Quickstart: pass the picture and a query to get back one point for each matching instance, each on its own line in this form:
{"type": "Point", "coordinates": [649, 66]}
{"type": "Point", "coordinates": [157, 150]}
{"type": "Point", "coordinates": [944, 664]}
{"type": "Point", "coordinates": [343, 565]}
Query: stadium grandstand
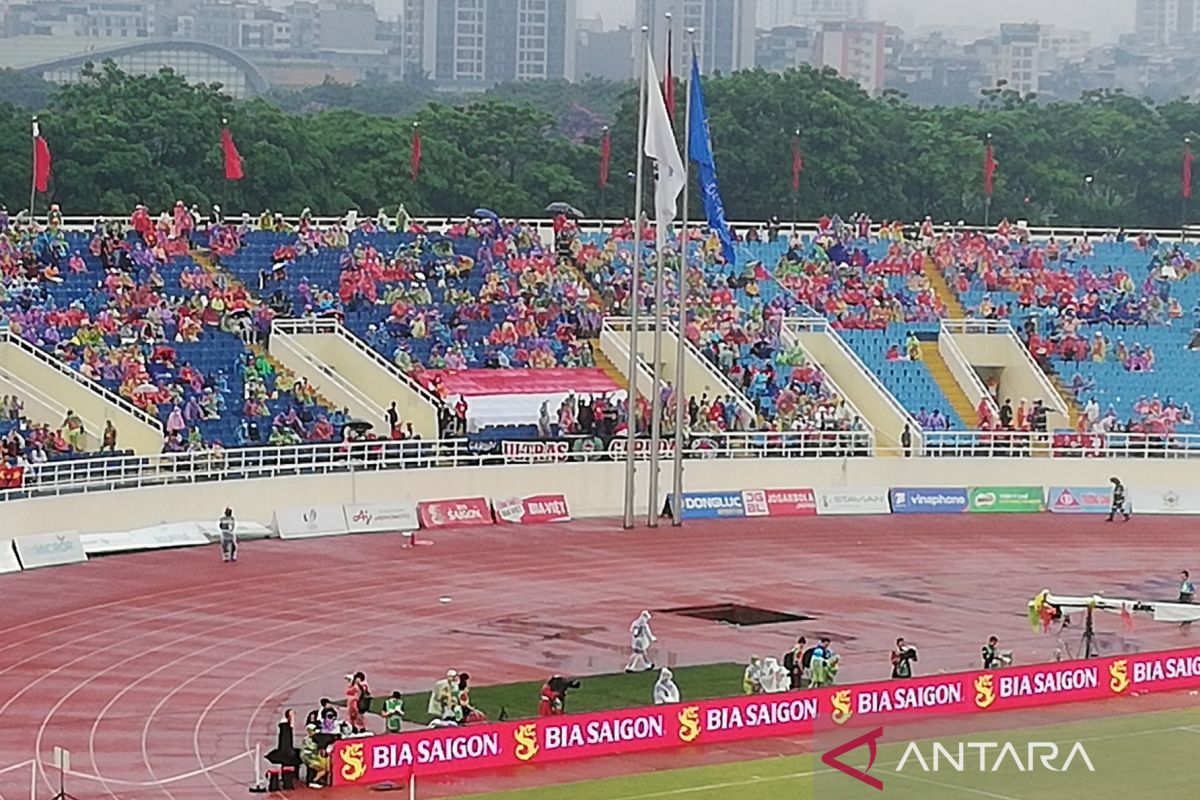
{"type": "Point", "coordinates": [467, 383]}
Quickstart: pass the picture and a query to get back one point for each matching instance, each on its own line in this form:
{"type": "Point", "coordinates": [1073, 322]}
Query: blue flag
{"type": "Point", "coordinates": [700, 151]}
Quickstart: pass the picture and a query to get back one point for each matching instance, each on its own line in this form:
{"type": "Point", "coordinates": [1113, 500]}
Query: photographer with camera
{"type": "Point", "coordinates": [553, 701]}
{"type": "Point", "coordinates": [902, 659]}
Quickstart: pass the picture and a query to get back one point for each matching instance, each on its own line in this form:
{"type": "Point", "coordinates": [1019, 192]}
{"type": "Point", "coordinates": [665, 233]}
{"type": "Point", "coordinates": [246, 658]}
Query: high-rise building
{"type": "Point", "coordinates": [1164, 21]}
{"type": "Point", "coordinates": [856, 50]}
{"type": "Point", "coordinates": [474, 41]}
{"type": "Point", "coordinates": [1018, 56]}
{"type": "Point", "coordinates": [784, 47]}
{"type": "Point", "coordinates": [778, 13]}
{"type": "Point", "coordinates": [724, 31]}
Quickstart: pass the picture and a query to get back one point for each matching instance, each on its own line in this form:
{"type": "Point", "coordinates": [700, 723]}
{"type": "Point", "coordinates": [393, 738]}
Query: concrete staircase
{"type": "Point", "coordinates": [1074, 412]}
{"type": "Point", "coordinates": [940, 370]}
{"type": "Point", "coordinates": [954, 308]}
{"type": "Point", "coordinates": [605, 363]}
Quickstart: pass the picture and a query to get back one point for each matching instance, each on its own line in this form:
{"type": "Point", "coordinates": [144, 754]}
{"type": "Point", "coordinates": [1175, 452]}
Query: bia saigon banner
{"type": "Point", "coordinates": [395, 757]}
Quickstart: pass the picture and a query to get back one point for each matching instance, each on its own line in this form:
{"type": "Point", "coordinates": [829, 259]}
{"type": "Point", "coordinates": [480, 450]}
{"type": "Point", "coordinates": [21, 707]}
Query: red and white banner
{"type": "Point", "coordinates": [362, 762]}
{"type": "Point", "coordinates": [780, 503]}
{"type": "Point", "coordinates": [455, 513]}
{"type": "Point", "coordinates": [532, 510]}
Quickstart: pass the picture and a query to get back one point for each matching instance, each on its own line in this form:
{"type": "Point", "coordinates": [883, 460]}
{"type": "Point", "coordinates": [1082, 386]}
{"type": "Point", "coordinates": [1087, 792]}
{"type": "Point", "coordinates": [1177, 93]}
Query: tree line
{"type": "Point", "coordinates": [120, 139]}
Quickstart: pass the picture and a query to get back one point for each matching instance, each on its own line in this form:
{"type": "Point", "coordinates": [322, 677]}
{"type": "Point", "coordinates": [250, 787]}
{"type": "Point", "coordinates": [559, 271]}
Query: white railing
{"type": "Point", "coordinates": [1058, 444]}
{"type": "Point", "coordinates": [99, 473]}
{"type": "Point", "coordinates": [625, 324]}
{"type": "Point", "coordinates": [820, 325]}
{"type": "Point", "coordinates": [332, 327]}
{"type": "Point", "coordinates": [84, 381]}
{"type": "Point", "coordinates": [545, 226]}
{"type": "Point", "coordinates": [1002, 327]}
{"type": "Point", "coordinates": [337, 384]}
{"type": "Point", "coordinates": [796, 325]}
{"type": "Point", "coordinates": [93, 430]}
{"type": "Point", "coordinates": [964, 373]}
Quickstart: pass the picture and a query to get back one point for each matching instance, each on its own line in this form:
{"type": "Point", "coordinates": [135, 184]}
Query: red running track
{"type": "Point", "coordinates": [154, 667]}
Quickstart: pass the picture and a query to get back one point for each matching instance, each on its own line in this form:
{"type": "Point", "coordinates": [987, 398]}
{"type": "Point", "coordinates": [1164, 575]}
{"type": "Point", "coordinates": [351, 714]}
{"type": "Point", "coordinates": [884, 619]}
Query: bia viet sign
{"type": "Point", "coordinates": [364, 761]}
{"type": "Point", "coordinates": [532, 510]}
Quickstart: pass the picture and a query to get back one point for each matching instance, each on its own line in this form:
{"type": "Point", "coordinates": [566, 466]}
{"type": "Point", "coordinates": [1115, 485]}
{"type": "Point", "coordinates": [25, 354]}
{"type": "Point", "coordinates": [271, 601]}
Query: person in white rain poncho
{"type": "Point", "coordinates": [665, 690]}
{"type": "Point", "coordinates": [640, 639]}
{"type": "Point", "coordinates": [773, 678]}
{"type": "Point", "coordinates": [443, 700]}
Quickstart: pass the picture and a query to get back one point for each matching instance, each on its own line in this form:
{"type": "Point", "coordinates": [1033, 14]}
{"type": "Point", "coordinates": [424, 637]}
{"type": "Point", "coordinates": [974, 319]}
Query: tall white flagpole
{"type": "Point", "coordinates": [681, 325]}
{"type": "Point", "coordinates": [660, 269]}
{"type": "Point", "coordinates": [634, 288]}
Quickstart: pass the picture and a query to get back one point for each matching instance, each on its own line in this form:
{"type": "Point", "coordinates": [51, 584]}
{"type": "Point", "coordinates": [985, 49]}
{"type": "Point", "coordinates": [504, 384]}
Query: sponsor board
{"type": "Point", "coordinates": [921, 500]}
{"type": "Point", "coordinates": [1079, 499]}
{"type": "Point", "coordinates": [532, 510]}
{"type": "Point", "coordinates": [520, 743]}
{"type": "Point", "coordinates": [155, 537]}
{"type": "Point", "coordinates": [50, 549]}
{"type": "Point", "coordinates": [1006, 499]}
{"type": "Point", "coordinates": [714, 505]}
{"type": "Point", "coordinates": [455, 513]}
{"type": "Point", "coordinates": [833, 502]}
{"type": "Point", "coordinates": [8, 557]}
{"type": "Point", "coordinates": [398, 515]}
{"type": "Point", "coordinates": [1165, 500]}
{"type": "Point", "coordinates": [783, 503]}
{"type": "Point", "coordinates": [304, 522]}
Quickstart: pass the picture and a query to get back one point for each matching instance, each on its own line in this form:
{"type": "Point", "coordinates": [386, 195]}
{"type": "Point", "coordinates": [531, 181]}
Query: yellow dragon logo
{"type": "Point", "coordinates": [1118, 675]}
{"type": "Point", "coordinates": [353, 764]}
{"type": "Point", "coordinates": [985, 691]}
{"type": "Point", "coordinates": [842, 706]}
{"type": "Point", "coordinates": [689, 724]}
{"type": "Point", "coordinates": [526, 738]}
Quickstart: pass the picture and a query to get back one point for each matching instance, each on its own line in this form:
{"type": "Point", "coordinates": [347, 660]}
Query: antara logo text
{"type": "Point", "coordinates": [963, 757]}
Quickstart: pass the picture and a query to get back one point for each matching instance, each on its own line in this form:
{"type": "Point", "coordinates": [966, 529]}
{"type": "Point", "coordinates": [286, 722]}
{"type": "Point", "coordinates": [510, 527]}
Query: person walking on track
{"type": "Point", "coordinates": [1119, 503]}
{"type": "Point", "coordinates": [229, 545]}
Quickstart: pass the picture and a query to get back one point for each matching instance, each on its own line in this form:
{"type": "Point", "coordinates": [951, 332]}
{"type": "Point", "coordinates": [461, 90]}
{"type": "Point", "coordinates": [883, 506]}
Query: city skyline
{"type": "Point", "coordinates": [1106, 19]}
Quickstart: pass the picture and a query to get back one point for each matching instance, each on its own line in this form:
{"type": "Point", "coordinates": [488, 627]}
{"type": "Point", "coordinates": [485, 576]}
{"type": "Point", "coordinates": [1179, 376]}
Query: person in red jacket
{"type": "Point", "coordinates": [551, 703]}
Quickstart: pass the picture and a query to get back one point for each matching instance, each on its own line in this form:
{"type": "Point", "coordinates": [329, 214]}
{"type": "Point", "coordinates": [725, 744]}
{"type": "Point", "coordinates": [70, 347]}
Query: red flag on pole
{"type": "Point", "coordinates": [414, 159]}
{"type": "Point", "coordinates": [233, 159]}
{"type": "Point", "coordinates": [669, 79]}
{"type": "Point", "coordinates": [605, 158]}
{"type": "Point", "coordinates": [1185, 180]}
{"type": "Point", "coordinates": [41, 160]}
{"type": "Point", "coordinates": [797, 164]}
{"type": "Point", "coordinates": [989, 169]}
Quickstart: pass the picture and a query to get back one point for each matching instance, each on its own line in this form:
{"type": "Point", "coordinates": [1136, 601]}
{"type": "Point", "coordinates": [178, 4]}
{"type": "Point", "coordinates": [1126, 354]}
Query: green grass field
{"type": "Point", "coordinates": [1136, 757]}
{"type": "Point", "coordinates": [598, 692]}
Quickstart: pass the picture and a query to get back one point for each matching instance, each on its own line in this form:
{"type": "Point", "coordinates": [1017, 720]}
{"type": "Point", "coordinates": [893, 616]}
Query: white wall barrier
{"type": "Point", "coordinates": [155, 537]}
{"type": "Point", "coordinates": [50, 549]}
{"type": "Point", "coordinates": [305, 522]}
{"type": "Point", "coordinates": [1165, 500]}
{"type": "Point", "coordinates": [399, 515]}
{"type": "Point", "coordinates": [867, 500]}
{"type": "Point", "coordinates": [8, 557]}
{"type": "Point", "coordinates": [242, 528]}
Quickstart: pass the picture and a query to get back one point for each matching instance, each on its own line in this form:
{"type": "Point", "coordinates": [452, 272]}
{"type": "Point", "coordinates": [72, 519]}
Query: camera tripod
{"type": "Point", "coordinates": [1087, 640]}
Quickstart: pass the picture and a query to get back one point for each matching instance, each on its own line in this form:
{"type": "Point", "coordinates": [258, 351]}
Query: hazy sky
{"type": "Point", "coordinates": [1105, 18]}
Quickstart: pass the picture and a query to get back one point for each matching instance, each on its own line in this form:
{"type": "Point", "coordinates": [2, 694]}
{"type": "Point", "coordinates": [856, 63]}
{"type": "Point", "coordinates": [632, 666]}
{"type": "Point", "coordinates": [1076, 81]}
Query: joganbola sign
{"type": "Point", "coordinates": [364, 761]}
